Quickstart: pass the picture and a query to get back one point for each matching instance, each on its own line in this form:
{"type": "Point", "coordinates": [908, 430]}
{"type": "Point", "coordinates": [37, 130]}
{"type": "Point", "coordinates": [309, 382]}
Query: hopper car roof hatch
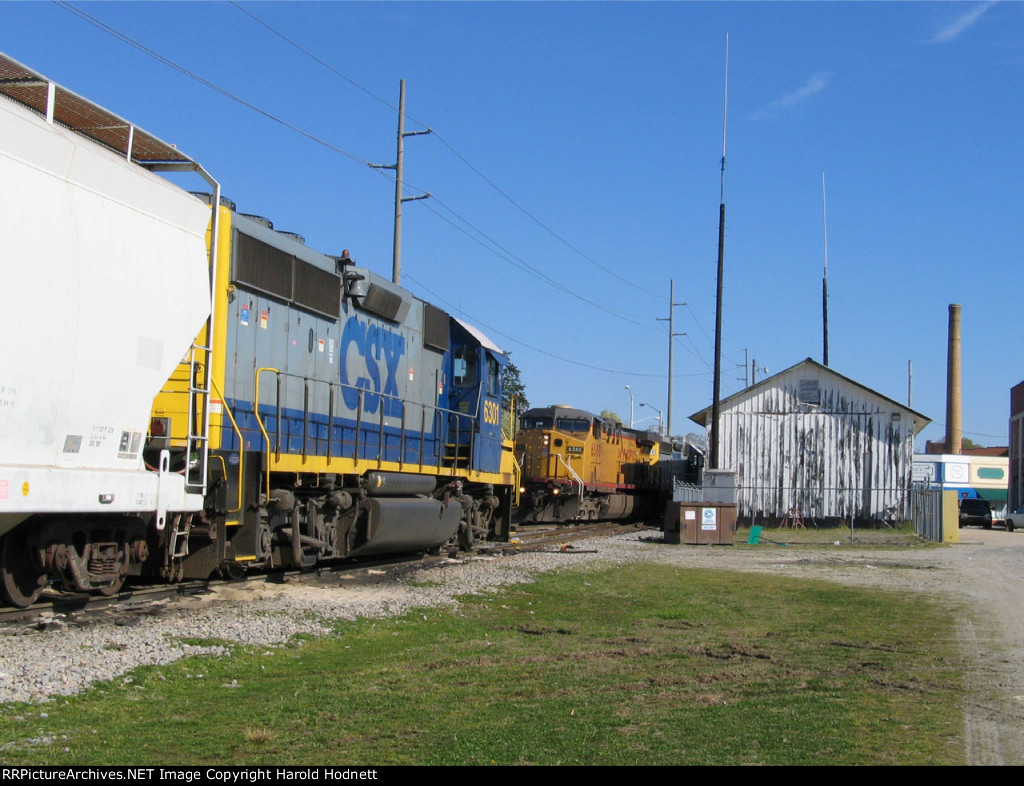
{"type": "Point", "coordinates": [60, 105]}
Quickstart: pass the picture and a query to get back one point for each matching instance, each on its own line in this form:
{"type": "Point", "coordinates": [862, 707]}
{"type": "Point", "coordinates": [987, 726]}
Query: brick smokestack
{"type": "Point", "coordinates": [954, 425]}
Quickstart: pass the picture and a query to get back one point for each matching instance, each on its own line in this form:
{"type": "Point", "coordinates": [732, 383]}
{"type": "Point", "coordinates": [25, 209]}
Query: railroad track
{"type": "Point", "coordinates": [75, 606]}
{"type": "Point", "coordinates": [542, 537]}
{"type": "Point", "coordinates": [60, 608]}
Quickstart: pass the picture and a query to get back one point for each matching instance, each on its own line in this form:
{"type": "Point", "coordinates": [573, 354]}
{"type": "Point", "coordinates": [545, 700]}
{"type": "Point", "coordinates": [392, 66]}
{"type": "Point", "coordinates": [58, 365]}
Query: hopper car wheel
{"type": "Point", "coordinates": [20, 584]}
{"type": "Point", "coordinates": [232, 571]}
{"type": "Point", "coordinates": [111, 589]}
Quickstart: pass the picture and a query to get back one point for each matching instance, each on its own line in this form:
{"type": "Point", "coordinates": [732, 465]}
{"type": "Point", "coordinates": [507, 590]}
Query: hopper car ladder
{"type": "Point", "coordinates": [198, 439]}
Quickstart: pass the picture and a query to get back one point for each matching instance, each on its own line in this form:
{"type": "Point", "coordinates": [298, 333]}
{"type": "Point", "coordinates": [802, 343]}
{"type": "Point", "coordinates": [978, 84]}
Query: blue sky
{"type": "Point", "coordinates": [575, 170]}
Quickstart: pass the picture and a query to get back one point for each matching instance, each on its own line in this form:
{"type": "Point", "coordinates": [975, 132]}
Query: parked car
{"type": "Point", "coordinates": [1015, 519]}
{"type": "Point", "coordinates": [975, 512]}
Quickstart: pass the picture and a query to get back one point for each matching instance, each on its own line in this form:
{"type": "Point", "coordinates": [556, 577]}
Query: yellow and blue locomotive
{"type": "Point", "coordinates": [347, 416]}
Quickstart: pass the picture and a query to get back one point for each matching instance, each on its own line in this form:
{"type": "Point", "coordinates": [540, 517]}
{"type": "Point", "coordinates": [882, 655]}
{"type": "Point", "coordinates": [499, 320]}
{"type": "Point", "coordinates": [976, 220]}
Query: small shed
{"type": "Point", "coordinates": [812, 442]}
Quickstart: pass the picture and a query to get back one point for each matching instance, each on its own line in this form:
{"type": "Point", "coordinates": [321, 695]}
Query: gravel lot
{"type": "Point", "coordinates": [980, 578]}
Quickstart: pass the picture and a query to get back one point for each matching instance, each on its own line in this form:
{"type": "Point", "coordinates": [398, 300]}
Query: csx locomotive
{"type": "Point", "coordinates": [184, 389]}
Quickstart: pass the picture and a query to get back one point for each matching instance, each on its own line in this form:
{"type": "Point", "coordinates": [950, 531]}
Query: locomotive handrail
{"type": "Point", "coordinates": [241, 442]}
{"type": "Point", "coordinates": [517, 476]}
{"type": "Point", "coordinates": [259, 420]}
{"type": "Point", "coordinates": [447, 423]}
{"type": "Point", "coordinates": [569, 470]}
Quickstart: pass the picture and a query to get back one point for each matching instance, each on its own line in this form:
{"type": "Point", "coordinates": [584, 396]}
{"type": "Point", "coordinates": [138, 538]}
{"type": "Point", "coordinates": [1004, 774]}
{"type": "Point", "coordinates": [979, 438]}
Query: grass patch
{"type": "Point", "coordinates": [637, 665]}
{"type": "Point", "coordinates": [897, 537]}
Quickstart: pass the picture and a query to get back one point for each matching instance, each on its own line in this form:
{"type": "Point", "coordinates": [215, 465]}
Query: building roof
{"type": "Point", "coordinates": [701, 417]}
{"type": "Point", "coordinates": [939, 446]}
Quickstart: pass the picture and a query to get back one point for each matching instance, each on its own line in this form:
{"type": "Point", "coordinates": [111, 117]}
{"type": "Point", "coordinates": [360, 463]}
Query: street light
{"type": "Point", "coordinates": [630, 406]}
{"type": "Point", "coordinates": [660, 421]}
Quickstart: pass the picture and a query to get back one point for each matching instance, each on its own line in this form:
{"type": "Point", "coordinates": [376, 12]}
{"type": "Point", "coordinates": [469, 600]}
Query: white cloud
{"type": "Point", "coordinates": [809, 88]}
{"type": "Point", "coordinates": [961, 23]}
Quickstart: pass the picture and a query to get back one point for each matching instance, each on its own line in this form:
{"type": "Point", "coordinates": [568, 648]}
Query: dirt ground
{"type": "Point", "coordinates": [982, 579]}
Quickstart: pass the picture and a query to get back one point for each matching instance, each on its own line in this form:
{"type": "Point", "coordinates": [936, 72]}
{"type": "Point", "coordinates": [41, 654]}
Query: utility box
{"type": "Point", "coordinates": [720, 486]}
{"type": "Point", "coordinates": [700, 523]}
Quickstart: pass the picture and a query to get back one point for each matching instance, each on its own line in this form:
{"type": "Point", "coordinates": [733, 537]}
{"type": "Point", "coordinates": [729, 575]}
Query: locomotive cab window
{"type": "Point", "coordinates": [465, 367]}
{"type": "Point", "coordinates": [537, 423]}
{"type": "Point", "coordinates": [573, 424]}
{"type": "Point", "coordinates": [493, 377]}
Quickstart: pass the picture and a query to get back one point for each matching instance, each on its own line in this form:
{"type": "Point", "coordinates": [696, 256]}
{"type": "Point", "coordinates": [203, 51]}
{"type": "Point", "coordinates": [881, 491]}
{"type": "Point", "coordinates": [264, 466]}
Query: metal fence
{"type": "Point", "coordinates": [926, 512]}
{"type": "Point", "coordinates": [822, 506]}
{"type": "Point", "coordinates": [918, 505]}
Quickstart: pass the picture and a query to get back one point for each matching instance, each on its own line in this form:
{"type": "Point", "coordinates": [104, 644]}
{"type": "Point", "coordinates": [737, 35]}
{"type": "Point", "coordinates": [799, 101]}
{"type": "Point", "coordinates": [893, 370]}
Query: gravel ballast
{"type": "Point", "coordinates": [979, 580]}
{"type": "Point", "coordinates": [59, 657]}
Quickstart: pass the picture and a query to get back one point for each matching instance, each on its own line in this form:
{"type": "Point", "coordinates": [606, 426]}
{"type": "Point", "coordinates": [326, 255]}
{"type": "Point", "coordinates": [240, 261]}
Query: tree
{"type": "Point", "coordinates": [607, 414]}
{"type": "Point", "coordinates": [512, 389]}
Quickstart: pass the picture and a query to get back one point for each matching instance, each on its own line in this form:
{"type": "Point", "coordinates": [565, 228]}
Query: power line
{"type": "Point", "coordinates": [522, 264]}
{"type": "Point", "coordinates": [454, 152]}
{"type": "Point", "coordinates": [496, 331]}
{"type": "Point", "coordinates": [495, 247]}
{"type": "Point", "coordinates": [972, 433]}
{"type": "Point", "coordinates": [206, 82]}
{"type": "Point", "coordinates": [507, 255]}
{"type": "Point", "coordinates": [324, 63]}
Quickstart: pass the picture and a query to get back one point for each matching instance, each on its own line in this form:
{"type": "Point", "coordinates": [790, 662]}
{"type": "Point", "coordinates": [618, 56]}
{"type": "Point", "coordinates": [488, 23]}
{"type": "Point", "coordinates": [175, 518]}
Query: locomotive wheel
{"type": "Point", "coordinates": [465, 537]}
{"type": "Point", "coordinates": [20, 584]}
{"type": "Point", "coordinates": [471, 535]}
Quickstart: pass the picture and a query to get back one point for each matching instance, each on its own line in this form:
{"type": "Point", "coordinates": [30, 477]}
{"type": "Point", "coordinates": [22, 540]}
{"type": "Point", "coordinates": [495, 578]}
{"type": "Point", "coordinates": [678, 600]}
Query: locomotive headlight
{"type": "Point", "coordinates": [159, 427]}
{"type": "Point", "coordinates": [554, 491]}
{"type": "Point", "coordinates": [547, 439]}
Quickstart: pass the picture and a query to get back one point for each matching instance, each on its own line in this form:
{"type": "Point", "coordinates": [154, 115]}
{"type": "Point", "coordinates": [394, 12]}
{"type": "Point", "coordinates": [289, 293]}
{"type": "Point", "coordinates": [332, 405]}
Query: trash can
{"type": "Point", "coordinates": [700, 523]}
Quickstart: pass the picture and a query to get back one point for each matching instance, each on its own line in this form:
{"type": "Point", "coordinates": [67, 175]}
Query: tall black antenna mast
{"type": "Point", "coordinates": [824, 280]}
{"type": "Point", "coordinates": [716, 399]}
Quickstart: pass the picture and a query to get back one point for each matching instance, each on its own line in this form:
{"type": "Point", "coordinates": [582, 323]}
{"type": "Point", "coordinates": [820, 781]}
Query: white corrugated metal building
{"type": "Point", "coordinates": [810, 440]}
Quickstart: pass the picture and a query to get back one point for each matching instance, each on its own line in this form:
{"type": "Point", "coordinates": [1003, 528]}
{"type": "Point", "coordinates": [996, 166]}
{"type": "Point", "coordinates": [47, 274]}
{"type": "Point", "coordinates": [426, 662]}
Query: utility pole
{"type": "Point", "coordinates": [671, 314]}
{"type": "Point", "coordinates": [716, 407]}
{"type": "Point", "coordinates": [753, 371]}
{"type": "Point", "coordinates": [396, 255]}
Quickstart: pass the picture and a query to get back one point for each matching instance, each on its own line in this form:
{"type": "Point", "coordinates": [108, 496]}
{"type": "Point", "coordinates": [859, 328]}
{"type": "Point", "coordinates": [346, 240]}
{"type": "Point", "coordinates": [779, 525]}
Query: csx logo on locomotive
{"type": "Point", "coordinates": [372, 343]}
